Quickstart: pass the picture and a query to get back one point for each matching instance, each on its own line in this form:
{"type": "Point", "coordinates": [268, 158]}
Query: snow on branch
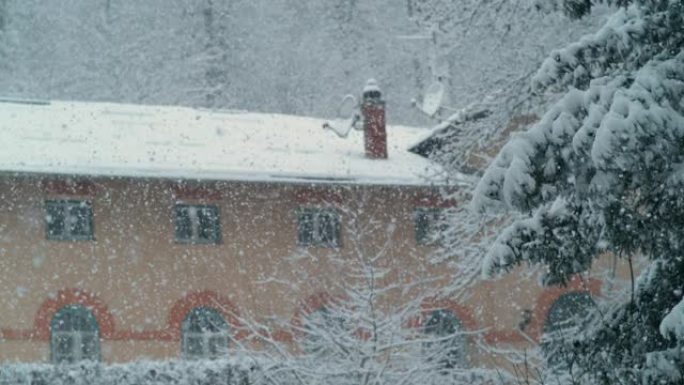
{"type": "Point", "coordinates": [371, 326]}
{"type": "Point", "coordinates": [601, 129]}
{"type": "Point", "coordinates": [591, 144]}
{"type": "Point", "coordinates": [630, 38]}
{"type": "Point", "coordinates": [673, 323]}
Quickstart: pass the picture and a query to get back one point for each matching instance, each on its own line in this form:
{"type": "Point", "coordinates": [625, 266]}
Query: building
{"type": "Point", "coordinates": [132, 232]}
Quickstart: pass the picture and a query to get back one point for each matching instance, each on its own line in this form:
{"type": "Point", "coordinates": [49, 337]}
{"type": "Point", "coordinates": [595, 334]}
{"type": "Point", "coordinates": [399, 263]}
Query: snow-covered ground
{"type": "Point", "coordinates": [207, 372]}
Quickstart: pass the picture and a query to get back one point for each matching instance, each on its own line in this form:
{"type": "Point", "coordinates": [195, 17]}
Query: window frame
{"type": "Point", "coordinates": [457, 343]}
{"type": "Point", "coordinates": [319, 324]}
{"type": "Point", "coordinates": [195, 224]}
{"type": "Point", "coordinates": [75, 337]}
{"type": "Point", "coordinates": [67, 205]}
{"type": "Point", "coordinates": [316, 238]}
{"type": "Point", "coordinates": [428, 224]}
{"type": "Point", "coordinates": [206, 339]}
{"type": "Point", "coordinates": [578, 305]}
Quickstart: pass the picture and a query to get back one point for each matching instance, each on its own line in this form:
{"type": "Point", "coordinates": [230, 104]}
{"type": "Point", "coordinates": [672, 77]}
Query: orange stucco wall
{"type": "Point", "coordinates": [140, 283]}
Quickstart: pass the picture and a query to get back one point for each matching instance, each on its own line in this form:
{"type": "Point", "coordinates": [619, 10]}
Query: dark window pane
{"type": "Point", "coordinates": [201, 320]}
{"type": "Point", "coordinates": [193, 323]}
{"type": "Point", "coordinates": [183, 223]}
{"type": "Point", "coordinates": [208, 224]}
{"type": "Point", "coordinates": [78, 319]}
{"type": "Point", "coordinates": [422, 227]}
{"type": "Point", "coordinates": [450, 352]}
{"type": "Point", "coordinates": [80, 218]}
{"type": "Point", "coordinates": [428, 223]}
{"type": "Point", "coordinates": [69, 220]}
{"type": "Point", "coordinates": [55, 219]}
{"type": "Point", "coordinates": [328, 229]}
{"type": "Point", "coordinates": [73, 319]}
{"type": "Point", "coordinates": [305, 228]}
{"type": "Point", "coordinates": [565, 320]}
{"type": "Point", "coordinates": [63, 347]}
{"type": "Point", "coordinates": [204, 333]}
{"type": "Point", "coordinates": [194, 346]}
{"type": "Point", "coordinates": [197, 224]}
{"type": "Point", "coordinates": [319, 326]}
{"type": "Point", "coordinates": [214, 323]}
{"type": "Point", "coordinates": [217, 345]}
{"type": "Point", "coordinates": [61, 324]}
{"type": "Point", "coordinates": [318, 227]}
{"type": "Point", "coordinates": [568, 311]}
{"type": "Point", "coordinates": [89, 347]}
{"type": "Point", "coordinates": [74, 335]}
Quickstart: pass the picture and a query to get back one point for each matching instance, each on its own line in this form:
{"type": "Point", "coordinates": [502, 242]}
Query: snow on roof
{"type": "Point", "coordinates": [119, 140]}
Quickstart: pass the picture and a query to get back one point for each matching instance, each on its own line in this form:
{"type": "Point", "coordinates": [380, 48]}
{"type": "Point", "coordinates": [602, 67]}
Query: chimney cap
{"type": "Point", "coordinates": [371, 90]}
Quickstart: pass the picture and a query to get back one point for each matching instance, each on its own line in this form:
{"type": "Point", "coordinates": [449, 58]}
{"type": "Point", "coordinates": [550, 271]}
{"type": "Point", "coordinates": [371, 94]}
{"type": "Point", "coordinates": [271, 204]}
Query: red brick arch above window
{"type": "Point", "coordinates": [66, 297]}
{"type": "Point", "coordinates": [463, 313]}
{"type": "Point", "coordinates": [545, 300]}
{"type": "Point", "coordinates": [208, 299]}
{"type": "Point", "coordinates": [309, 305]}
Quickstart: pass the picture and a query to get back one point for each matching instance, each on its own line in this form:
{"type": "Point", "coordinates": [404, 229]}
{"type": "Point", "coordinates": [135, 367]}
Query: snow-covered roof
{"type": "Point", "coordinates": [120, 140]}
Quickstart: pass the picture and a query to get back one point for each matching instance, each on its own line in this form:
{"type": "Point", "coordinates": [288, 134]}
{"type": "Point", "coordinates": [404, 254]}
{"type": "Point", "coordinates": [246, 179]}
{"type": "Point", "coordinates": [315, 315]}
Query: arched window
{"type": "Point", "coordinates": [204, 334]}
{"type": "Point", "coordinates": [74, 335]}
{"type": "Point", "coordinates": [445, 340]}
{"type": "Point", "coordinates": [321, 328]}
{"type": "Point", "coordinates": [566, 318]}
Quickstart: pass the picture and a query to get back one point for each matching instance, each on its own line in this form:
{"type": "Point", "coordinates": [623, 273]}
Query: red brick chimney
{"type": "Point", "coordinates": [373, 112]}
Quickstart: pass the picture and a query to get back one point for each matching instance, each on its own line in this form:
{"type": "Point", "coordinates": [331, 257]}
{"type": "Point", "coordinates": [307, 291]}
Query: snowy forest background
{"type": "Point", "coordinates": [287, 56]}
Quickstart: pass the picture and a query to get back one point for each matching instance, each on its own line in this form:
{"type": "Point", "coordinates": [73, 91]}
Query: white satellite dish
{"type": "Point", "coordinates": [347, 117]}
{"type": "Point", "coordinates": [433, 99]}
{"type": "Point", "coordinates": [347, 107]}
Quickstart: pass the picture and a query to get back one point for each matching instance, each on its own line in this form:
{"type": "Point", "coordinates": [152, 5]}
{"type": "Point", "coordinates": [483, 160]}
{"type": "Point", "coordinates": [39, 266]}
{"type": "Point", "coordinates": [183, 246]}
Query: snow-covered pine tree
{"type": "Point", "coordinates": [377, 324]}
{"type": "Point", "coordinates": [493, 49]}
{"type": "Point", "coordinates": [602, 172]}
